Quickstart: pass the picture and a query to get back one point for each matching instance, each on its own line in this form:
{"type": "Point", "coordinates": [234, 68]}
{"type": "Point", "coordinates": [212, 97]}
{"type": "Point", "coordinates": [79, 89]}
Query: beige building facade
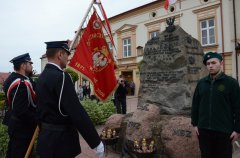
{"type": "Point", "coordinates": [215, 23]}
{"type": "Point", "coordinates": [209, 21]}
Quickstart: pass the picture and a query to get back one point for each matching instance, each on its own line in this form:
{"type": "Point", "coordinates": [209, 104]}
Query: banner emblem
{"type": "Point", "coordinates": [96, 24]}
{"type": "Point", "coordinates": [99, 61]}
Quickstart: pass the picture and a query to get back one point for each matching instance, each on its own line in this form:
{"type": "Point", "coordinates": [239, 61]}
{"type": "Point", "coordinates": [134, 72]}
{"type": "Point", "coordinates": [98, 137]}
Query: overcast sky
{"type": "Point", "coordinates": [26, 24]}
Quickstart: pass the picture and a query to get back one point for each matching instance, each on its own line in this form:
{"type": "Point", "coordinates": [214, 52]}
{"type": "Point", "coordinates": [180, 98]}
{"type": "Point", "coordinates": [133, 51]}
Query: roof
{"type": "Point", "coordinates": [43, 56]}
{"type": "Point", "coordinates": [156, 3]}
{"type": "Point", "coordinates": [4, 76]}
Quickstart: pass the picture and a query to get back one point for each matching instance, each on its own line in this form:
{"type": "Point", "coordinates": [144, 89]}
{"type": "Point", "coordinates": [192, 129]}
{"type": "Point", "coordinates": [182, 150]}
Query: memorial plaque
{"type": "Point", "coordinates": [172, 64]}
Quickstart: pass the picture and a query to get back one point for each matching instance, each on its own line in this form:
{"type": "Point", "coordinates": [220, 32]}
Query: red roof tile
{"type": "Point", "coordinates": [4, 76]}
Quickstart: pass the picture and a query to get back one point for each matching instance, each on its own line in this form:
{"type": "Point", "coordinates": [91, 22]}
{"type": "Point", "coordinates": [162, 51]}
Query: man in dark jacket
{"type": "Point", "coordinates": [61, 114]}
{"type": "Point", "coordinates": [216, 110]}
{"type": "Point", "coordinates": [21, 117]}
{"type": "Point", "coordinates": [120, 96]}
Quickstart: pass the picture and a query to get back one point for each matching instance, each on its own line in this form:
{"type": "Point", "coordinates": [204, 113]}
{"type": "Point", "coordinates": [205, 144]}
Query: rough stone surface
{"type": "Point", "coordinates": [179, 138]}
{"type": "Point", "coordinates": [114, 121]}
{"type": "Point", "coordinates": [141, 124]}
{"type": "Point", "coordinates": [171, 66]}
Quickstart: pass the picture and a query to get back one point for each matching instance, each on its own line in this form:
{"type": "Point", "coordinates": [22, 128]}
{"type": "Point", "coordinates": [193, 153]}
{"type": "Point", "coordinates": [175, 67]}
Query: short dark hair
{"type": "Point", "coordinates": [51, 52]}
{"type": "Point", "coordinates": [17, 66]}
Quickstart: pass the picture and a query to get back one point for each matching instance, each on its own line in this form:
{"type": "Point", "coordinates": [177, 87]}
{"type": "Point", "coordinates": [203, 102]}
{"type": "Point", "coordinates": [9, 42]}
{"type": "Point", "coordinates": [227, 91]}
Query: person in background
{"type": "Point", "coordinates": [61, 114]}
{"type": "Point", "coordinates": [21, 116]}
{"type": "Point", "coordinates": [84, 87]}
{"type": "Point", "coordinates": [80, 92]}
{"type": "Point", "coordinates": [132, 87]}
{"type": "Point", "coordinates": [120, 96]}
{"type": "Point", "coordinates": [216, 110]}
{"type": "Point", "coordinates": [88, 91]}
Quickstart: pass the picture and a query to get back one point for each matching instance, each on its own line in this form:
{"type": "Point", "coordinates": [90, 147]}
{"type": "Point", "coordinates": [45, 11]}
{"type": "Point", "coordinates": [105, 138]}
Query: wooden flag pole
{"type": "Point", "coordinates": [32, 142]}
{"type": "Point", "coordinates": [108, 30]}
{"type": "Point", "coordinates": [81, 25]}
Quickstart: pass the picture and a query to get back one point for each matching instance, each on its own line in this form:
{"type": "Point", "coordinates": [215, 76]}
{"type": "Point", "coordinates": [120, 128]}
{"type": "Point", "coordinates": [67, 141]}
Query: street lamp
{"type": "Point", "coordinates": [237, 49]}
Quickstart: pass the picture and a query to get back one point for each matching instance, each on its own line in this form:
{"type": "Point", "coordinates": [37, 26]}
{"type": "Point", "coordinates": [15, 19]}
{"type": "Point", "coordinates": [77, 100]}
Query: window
{"type": "Point", "coordinates": [154, 34]}
{"type": "Point", "coordinates": [208, 32]}
{"type": "Point", "coordinates": [110, 47]}
{"type": "Point", "coordinates": [204, 1]}
{"type": "Point", "coordinates": [139, 51]}
{"type": "Point", "coordinates": [127, 47]}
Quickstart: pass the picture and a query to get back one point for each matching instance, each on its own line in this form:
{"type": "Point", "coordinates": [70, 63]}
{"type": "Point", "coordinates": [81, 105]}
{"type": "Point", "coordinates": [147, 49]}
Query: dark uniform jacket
{"type": "Point", "coordinates": [216, 104]}
{"type": "Point", "coordinates": [121, 92]}
{"type": "Point", "coordinates": [58, 135]}
{"type": "Point", "coordinates": [21, 108]}
{"type": "Point", "coordinates": [21, 116]}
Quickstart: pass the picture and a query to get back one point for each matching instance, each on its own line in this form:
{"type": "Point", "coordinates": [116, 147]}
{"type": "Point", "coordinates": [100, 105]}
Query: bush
{"type": "Point", "coordinates": [1, 87]}
{"type": "Point", "coordinates": [98, 112]}
{"type": "Point", "coordinates": [3, 139]}
{"type": "Point", "coordinates": [73, 74]}
{"type": "Point", "coordinates": [2, 104]}
{"type": "Point", "coordinates": [2, 96]}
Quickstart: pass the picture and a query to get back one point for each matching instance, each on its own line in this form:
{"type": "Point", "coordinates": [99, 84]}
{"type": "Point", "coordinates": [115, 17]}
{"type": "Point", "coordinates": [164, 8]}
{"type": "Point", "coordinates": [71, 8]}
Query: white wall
{"type": "Point", "coordinates": [43, 63]}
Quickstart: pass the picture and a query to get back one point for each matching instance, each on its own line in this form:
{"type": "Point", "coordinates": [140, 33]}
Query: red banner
{"type": "Point", "coordinates": [93, 59]}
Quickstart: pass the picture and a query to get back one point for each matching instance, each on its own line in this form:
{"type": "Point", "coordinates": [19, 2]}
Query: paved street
{"type": "Point", "coordinates": [87, 152]}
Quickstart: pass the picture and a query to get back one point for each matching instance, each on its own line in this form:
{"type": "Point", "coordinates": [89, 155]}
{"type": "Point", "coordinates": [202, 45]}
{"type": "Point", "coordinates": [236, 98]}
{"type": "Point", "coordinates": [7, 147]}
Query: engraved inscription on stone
{"type": "Point", "coordinates": [171, 37]}
{"type": "Point", "coordinates": [135, 125]}
{"type": "Point", "coordinates": [161, 77]}
{"type": "Point", "coordinates": [143, 107]}
{"type": "Point", "coordinates": [191, 60]}
{"type": "Point", "coordinates": [192, 81]}
{"type": "Point", "coordinates": [181, 133]}
{"type": "Point", "coordinates": [164, 51]}
{"type": "Point", "coordinates": [193, 70]}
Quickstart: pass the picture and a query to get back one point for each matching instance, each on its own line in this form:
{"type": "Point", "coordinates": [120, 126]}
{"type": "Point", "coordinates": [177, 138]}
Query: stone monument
{"type": "Point", "coordinates": [171, 66]}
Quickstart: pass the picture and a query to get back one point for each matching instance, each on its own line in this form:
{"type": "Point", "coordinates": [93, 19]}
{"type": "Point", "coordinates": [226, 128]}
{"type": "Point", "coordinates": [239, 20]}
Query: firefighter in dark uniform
{"type": "Point", "coordinates": [61, 114]}
{"type": "Point", "coordinates": [21, 116]}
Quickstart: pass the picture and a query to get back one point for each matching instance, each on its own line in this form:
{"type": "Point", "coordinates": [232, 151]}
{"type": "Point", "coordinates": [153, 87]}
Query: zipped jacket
{"type": "Point", "coordinates": [216, 104]}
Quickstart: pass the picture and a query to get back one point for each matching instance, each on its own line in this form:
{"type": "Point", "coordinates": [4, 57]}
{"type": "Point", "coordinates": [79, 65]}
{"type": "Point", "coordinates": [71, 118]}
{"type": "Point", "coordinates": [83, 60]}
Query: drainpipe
{"type": "Point", "coordinates": [221, 10]}
{"type": "Point", "coordinates": [235, 36]}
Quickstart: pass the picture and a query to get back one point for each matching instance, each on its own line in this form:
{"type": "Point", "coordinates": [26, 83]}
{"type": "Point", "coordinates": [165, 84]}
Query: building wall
{"type": "Point", "coordinates": [137, 23]}
{"type": "Point", "coordinates": [188, 15]}
{"type": "Point", "coordinates": [43, 63]}
{"type": "Point", "coordinates": [228, 35]}
{"type": "Point", "coordinates": [237, 6]}
{"type": "Point", "coordinates": [237, 12]}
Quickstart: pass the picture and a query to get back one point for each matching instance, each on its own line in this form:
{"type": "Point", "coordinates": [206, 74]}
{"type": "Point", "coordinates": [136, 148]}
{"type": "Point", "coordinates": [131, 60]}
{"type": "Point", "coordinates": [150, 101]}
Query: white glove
{"type": "Point", "coordinates": [100, 150]}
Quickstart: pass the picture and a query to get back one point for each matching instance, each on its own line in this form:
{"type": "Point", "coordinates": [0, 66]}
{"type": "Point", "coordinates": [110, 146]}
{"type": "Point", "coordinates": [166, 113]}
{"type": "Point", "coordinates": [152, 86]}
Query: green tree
{"type": "Point", "coordinates": [73, 74]}
{"type": "Point", "coordinates": [3, 140]}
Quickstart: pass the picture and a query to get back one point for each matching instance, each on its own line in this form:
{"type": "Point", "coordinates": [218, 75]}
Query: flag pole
{"type": "Point", "coordinates": [81, 25]}
{"type": "Point", "coordinates": [108, 30]}
{"type": "Point", "coordinates": [32, 142]}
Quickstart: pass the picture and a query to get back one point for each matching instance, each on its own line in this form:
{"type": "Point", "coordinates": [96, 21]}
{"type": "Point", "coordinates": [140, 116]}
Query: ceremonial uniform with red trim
{"type": "Point", "coordinates": [61, 116]}
{"type": "Point", "coordinates": [22, 118]}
